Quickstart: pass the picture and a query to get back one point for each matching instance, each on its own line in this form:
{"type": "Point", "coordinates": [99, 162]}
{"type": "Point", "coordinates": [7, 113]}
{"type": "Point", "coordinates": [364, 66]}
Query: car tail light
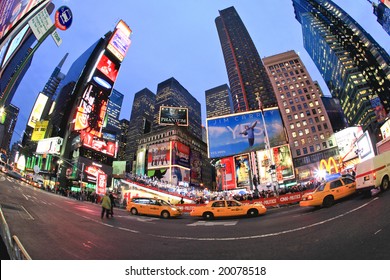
{"type": "Point", "coordinates": [374, 176]}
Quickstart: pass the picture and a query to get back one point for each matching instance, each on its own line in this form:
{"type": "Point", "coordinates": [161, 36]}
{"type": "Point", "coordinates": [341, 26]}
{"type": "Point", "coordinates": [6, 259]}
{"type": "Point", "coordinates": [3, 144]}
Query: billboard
{"type": "Point", "coordinates": [346, 142]}
{"type": "Point", "coordinates": [37, 110]}
{"type": "Point", "coordinates": [91, 110]}
{"type": "Point", "coordinates": [365, 148]}
{"type": "Point", "coordinates": [120, 41]}
{"type": "Point", "coordinates": [159, 155]}
{"type": "Point", "coordinates": [225, 174]}
{"type": "Point", "coordinates": [108, 68]}
{"type": "Point", "coordinates": [196, 168]}
{"type": "Point", "coordinates": [264, 162]}
{"type": "Point", "coordinates": [119, 169]}
{"type": "Point", "coordinates": [10, 48]}
{"type": "Point", "coordinates": [39, 130]}
{"type": "Point", "coordinates": [180, 176]}
{"type": "Point", "coordinates": [140, 163]}
{"type": "Point", "coordinates": [242, 168]}
{"type": "Point", "coordinates": [92, 169]}
{"type": "Point", "coordinates": [180, 154]}
{"type": "Point", "coordinates": [11, 11]}
{"type": "Point", "coordinates": [385, 129]}
{"type": "Point", "coordinates": [173, 116]}
{"type": "Point", "coordinates": [244, 132]}
{"type": "Point", "coordinates": [109, 148]}
{"type": "Point", "coordinates": [49, 146]}
{"type": "Point", "coordinates": [283, 162]}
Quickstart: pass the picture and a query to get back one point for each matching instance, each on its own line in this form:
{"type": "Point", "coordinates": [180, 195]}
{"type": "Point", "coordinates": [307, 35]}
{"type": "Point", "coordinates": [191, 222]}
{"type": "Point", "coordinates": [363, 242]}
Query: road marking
{"type": "Point", "coordinates": [210, 224]}
{"type": "Point", "coordinates": [127, 229]}
{"type": "Point", "coordinates": [32, 218]}
{"type": "Point", "coordinates": [377, 232]}
{"type": "Point", "coordinates": [25, 196]}
{"type": "Point", "coordinates": [267, 234]}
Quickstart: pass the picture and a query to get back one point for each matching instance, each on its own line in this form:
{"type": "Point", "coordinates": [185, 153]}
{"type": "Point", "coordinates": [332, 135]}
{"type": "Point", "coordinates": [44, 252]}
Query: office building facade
{"type": "Point", "coordinates": [171, 93]}
{"type": "Point", "coordinates": [219, 101]}
{"type": "Point", "coordinates": [354, 66]}
{"type": "Point", "coordinates": [305, 119]}
{"type": "Point", "coordinates": [249, 83]}
{"type": "Point", "coordinates": [141, 120]}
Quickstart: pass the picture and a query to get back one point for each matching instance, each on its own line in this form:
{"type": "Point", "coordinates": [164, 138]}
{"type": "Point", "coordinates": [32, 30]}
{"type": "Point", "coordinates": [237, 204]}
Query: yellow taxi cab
{"type": "Point", "coordinates": [153, 207]}
{"type": "Point", "coordinates": [227, 208]}
{"type": "Point", "coordinates": [328, 192]}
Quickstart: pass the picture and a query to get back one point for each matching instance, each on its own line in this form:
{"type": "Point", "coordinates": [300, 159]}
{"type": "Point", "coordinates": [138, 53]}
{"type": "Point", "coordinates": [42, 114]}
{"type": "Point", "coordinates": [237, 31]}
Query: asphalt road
{"type": "Point", "coordinates": [52, 227]}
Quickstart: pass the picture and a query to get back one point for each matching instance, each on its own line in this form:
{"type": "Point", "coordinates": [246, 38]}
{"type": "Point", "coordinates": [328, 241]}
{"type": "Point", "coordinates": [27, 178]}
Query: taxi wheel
{"type": "Point", "coordinates": [165, 214]}
{"type": "Point", "coordinates": [328, 201]}
{"type": "Point", "coordinates": [253, 213]}
{"type": "Point", "coordinates": [134, 211]}
{"type": "Point", "coordinates": [208, 215]}
{"type": "Point", "coordinates": [385, 184]}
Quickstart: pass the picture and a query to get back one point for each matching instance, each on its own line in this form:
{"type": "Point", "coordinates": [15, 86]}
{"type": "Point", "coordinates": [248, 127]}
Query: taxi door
{"type": "Point", "coordinates": [154, 207]}
{"type": "Point", "coordinates": [219, 208]}
{"type": "Point", "coordinates": [337, 189]}
{"type": "Point", "coordinates": [235, 209]}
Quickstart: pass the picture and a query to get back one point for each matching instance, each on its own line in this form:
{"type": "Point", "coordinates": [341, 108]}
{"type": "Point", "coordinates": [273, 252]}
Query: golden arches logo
{"type": "Point", "coordinates": [327, 165]}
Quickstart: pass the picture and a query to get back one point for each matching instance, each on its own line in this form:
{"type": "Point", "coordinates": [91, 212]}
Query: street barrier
{"type": "Point", "coordinates": [15, 248]}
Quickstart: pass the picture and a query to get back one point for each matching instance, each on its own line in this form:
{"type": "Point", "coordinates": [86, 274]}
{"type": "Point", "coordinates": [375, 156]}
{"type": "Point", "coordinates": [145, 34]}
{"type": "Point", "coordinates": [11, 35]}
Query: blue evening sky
{"type": "Point", "coordinates": [174, 38]}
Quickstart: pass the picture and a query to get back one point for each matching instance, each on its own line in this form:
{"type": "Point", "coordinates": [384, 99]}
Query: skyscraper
{"type": "Point", "coordinates": [171, 93]}
{"type": "Point", "coordinates": [354, 66]}
{"type": "Point", "coordinates": [219, 101]}
{"type": "Point", "coordinates": [249, 83]}
{"type": "Point", "coordinates": [141, 120]}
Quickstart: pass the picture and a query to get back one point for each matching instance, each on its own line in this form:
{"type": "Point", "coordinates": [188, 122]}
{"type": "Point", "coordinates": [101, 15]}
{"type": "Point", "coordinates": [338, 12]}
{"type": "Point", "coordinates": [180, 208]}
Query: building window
{"type": "Point", "coordinates": [298, 152]}
{"type": "Point", "coordinates": [291, 126]}
{"type": "Point", "coordinates": [311, 148]}
{"type": "Point", "coordinates": [296, 143]}
{"type": "Point", "coordinates": [324, 145]}
{"type": "Point", "coordinates": [305, 150]}
{"type": "Point", "coordinates": [330, 143]}
{"type": "Point", "coordinates": [313, 129]}
{"type": "Point", "coordinates": [294, 134]}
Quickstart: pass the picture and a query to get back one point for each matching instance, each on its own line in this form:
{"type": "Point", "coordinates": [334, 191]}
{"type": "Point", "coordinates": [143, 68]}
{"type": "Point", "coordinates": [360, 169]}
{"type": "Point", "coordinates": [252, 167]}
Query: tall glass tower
{"type": "Point", "coordinates": [249, 83]}
{"type": "Point", "coordinates": [141, 119]}
{"type": "Point", "coordinates": [354, 66]}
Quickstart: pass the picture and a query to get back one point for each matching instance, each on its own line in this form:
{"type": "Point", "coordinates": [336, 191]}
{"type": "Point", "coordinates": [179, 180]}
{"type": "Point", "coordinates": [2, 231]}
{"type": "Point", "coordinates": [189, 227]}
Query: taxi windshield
{"type": "Point", "coordinates": [163, 202]}
{"type": "Point", "coordinates": [321, 187]}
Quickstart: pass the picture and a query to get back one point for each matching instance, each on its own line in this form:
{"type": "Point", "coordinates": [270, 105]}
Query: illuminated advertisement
{"type": "Point", "coordinates": [91, 110]}
{"type": "Point", "coordinates": [364, 144]}
{"type": "Point", "coordinates": [101, 183]}
{"type": "Point", "coordinates": [98, 144]}
{"type": "Point", "coordinates": [346, 142]}
{"type": "Point", "coordinates": [119, 169]}
{"type": "Point", "coordinates": [244, 132]}
{"type": "Point", "coordinates": [163, 174]}
{"type": "Point", "coordinates": [283, 162]}
{"type": "Point", "coordinates": [11, 11]}
{"type": "Point", "coordinates": [225, 174]}
{"type": "Point", "coordinates": [264, 162]}
{"type": "Point", "coordinates": [108, 68]}
{"type": "Point", "coordinates": [242, 167]}
{"type": "Point", "coordinates": [39, 130]}
{"type": "Point", "coordinates": [92, 169]}
{"type": "Point", "coordinates": [13, 45]}
{"type": "Point", "coordinates": [180, 176]}
{"type": "Point", "coordinates": [140, 163]}
{"type": "Point", "coordinates": [196, 168]}
{"type": "Point", "coordinates": [173, 116]}
{"type": "Point", "coordinates": [49, 146]}
{"type": "Point", "coordinates": [37, 110]}
{"type": "Point", "coordinates": [385, 129]}
{"type": "Point", "coordinates": [159, 155]}
{"type": "Point", "coordinates": [180, 154]}
{"type": "Point", "coordinates": [120, 41]}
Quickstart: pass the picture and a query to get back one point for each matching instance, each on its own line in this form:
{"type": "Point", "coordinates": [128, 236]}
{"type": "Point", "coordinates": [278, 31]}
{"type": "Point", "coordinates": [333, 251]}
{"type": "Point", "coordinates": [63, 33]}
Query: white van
{"type": "Point", "coordinates": [373, 173]}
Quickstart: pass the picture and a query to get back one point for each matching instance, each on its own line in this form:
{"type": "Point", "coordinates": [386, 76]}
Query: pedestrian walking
{"type": "Point", "coordinates": [106, 205]}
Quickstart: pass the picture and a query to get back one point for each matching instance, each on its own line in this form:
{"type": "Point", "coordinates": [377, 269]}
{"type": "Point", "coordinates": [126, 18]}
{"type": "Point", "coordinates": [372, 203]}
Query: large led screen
{"type": "Point", "coordinates": [244, 132]}
{"type": "Point", "coordinates": [180, 154]}
{"type": "Point", "coordinates": [120, 41]}
{"type": "Point", "coordinates": [159, 155]}
{"type": "Point", "coordinates": [242, 171]}
{"type": "Point", "coordinates": [11, 11]}
{"type": "Point", "coordinates": [37, 110]}
{"type": "Point", "coordinates": [108, 68]}
{"type": "Point", "coordinates": [196, 168]}
{"type": "Point", "coordinates": [346, 142]}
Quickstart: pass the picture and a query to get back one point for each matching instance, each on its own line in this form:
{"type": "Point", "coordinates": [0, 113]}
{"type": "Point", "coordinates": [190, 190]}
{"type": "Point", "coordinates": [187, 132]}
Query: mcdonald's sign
{"type": "Point", "coordinates": [328, 165]}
